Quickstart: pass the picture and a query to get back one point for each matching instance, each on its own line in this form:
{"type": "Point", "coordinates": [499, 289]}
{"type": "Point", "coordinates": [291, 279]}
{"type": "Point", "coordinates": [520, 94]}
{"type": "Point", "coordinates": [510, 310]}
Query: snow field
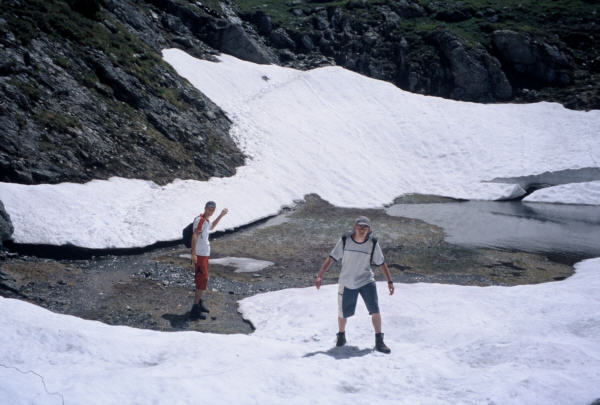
{"type": "Point", "coordinates": [450, 345]}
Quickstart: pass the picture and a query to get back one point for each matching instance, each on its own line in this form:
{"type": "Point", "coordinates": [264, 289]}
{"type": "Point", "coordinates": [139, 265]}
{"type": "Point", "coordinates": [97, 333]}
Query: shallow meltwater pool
{"type": "Point", "coordinates": [569, 231]}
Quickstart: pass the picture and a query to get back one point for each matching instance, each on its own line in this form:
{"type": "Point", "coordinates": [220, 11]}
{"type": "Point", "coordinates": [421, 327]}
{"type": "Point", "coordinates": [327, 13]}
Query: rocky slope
{"type": "Point", "coordinates": [84, 93]}
{"type": "Point", "coordinates": [473, 50]}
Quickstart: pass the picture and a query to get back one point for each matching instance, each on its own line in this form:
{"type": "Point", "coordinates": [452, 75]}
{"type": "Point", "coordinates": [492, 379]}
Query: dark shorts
{"type": "Point", "coordinates": [201, 270]}
{"type": "Point", "coordinates": [347, 300]}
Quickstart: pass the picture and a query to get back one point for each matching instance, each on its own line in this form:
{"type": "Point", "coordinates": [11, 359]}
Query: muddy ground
{"type": "Point", "coordinates": [154, 289]}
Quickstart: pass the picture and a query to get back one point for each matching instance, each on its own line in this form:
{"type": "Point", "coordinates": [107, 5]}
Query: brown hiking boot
{"type": "Point", "coordinates": [379, 345]}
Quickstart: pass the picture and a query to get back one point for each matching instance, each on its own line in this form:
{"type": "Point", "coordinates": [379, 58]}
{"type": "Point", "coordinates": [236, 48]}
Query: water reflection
{"type": "Point", "coordinates": [569, 230]}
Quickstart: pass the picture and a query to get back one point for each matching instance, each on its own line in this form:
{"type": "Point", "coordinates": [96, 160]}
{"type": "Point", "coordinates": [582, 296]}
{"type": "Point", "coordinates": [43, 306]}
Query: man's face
{"type": "Point", "coordinates": [361, 230]}
{"type": "Point", "coordinates": [208, 211]}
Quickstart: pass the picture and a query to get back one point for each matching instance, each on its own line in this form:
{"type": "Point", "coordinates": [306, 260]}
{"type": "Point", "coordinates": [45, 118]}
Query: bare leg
{"type": "Point", "coordinates": [198, 296]}
{"type": "Point", "coordinates": [342, 324]}
{"type": "Point", "coordinates": [376, 319]}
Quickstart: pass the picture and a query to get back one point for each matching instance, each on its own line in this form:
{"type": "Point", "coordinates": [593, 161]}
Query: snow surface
{"type": "Point", "coordinates": [530, 344]}
{"type": "Point", "coordinates": [355, 141]}
{"type": "Point", "coordinates": [574, 193]}
{"type": "Point", "coordinates": [241, 264]}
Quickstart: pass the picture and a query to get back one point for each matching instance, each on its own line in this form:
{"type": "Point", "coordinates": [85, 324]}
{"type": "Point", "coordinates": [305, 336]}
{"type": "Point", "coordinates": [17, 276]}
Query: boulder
{"type": "Point", "coordinates": [280, 39]}
{"type": "Point", "coordinates": [453, 15]}
{"type": "Point", "coordinates": [476, 75]}
{"type": "Point", "coordinates": [407, 9]}
{"type": "Point", "coordinates": [532, 63]}
{"type": "Point", "coordinates": [232, 39]}
{"type": "Point", "coordinates": [352, 4]}
{"type": "Point", "coordinates": [6, 226]}
{"type": "Point", "coordinates": [306, 43]}
{"type": "Point", "coordinates": [263, 23]}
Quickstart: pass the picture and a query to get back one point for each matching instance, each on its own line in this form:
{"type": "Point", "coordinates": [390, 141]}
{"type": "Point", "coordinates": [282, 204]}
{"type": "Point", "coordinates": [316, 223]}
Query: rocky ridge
{"type": "Point", "coordinates": [473, 51]}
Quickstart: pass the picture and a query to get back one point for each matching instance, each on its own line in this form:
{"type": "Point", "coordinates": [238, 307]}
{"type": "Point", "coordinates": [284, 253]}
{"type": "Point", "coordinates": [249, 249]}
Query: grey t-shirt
{"type": "Point", "coordinates": [356, 261]}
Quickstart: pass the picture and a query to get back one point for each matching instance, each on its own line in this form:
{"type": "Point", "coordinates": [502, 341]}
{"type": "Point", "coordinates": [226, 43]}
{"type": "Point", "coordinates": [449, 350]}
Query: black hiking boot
{"type": "Point", "coordinates": [379, 345]}
{"type": "Point", "coordinates": [196, 313]}
{"type": "Point", "coordinates": [341, 339]}
{"type": "Point", "coordinates": [202, 307]}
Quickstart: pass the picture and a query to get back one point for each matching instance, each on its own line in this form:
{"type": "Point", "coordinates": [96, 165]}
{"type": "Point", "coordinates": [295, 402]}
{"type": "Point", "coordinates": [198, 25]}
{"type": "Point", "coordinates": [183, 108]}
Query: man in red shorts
{"type": "Point", "coordinates": [200, 255]}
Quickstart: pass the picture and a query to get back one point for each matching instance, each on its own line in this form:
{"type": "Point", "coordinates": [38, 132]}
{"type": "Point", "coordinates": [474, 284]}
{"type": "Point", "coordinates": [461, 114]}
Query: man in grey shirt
{"type": "Point", "coordinates": [358, 251]}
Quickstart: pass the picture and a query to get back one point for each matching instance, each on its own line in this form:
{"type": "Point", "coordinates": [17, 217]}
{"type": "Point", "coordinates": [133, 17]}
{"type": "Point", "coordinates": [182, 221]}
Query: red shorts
{"type": "Point", "coordinates": [201, 277]}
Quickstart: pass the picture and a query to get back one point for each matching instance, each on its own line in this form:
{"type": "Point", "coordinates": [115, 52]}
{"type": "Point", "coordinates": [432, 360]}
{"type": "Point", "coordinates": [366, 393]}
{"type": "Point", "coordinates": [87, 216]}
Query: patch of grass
{"type": "Point", "coordinates": [56, 121]}
{"type": "Point", "coordinates": [174, 97]}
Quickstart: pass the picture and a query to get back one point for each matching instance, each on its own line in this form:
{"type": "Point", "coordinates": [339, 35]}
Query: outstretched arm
{"type": "Point", "coordinates": [324, 267]}
{"type": "Point", "coordinates": [216, 221]}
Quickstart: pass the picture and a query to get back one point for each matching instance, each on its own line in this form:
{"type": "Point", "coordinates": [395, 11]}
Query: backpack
{"type": "Point", "coordinates": [187, 233]}
{"type": "Point", "coordinates": [372, 238]}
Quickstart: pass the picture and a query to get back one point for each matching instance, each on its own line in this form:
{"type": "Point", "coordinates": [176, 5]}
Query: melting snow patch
{"type": "Point", "coordinates": [242, 264]}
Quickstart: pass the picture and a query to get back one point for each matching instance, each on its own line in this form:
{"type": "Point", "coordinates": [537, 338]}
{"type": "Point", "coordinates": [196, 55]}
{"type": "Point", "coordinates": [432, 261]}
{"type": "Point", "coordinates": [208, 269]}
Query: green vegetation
{"type": "Point", "coordinates": [56, 18]}
{"type": "Point", "coordinates": [57, 121]}
{"type": "Point", "coordinates": [533, 16]}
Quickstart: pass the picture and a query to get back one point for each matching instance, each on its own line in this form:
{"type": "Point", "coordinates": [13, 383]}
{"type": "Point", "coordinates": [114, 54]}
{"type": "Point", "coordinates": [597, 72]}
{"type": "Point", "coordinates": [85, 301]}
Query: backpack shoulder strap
{"type": "Point", "coordinates": [345, 236]}
{"type": "Point", "coordinates": [374, 240]}
{"type": "Point", "coordinates": [200, 222]}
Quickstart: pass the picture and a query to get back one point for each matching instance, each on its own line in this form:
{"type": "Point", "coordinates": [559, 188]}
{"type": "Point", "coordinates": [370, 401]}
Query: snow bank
{"type": "Point", "coordinates": [575, 193]}
{"type": "Point", "coordinates": [353, 140]}
{"type": "Point", "coordinates": [450, 345]}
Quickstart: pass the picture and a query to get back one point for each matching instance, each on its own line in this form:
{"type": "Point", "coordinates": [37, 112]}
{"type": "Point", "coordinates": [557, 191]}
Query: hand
{"type": "Point", "coordinates": [194, 258]}
{"type": "Point", "coordinates": [391, 288]}
{"type": "Point", "coordinates": [318, 281]}
{"type": "Point", "coordinates": [224, 212]}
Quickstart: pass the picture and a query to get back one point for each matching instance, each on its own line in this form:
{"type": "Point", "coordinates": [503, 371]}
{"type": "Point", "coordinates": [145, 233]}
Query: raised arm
{"type": "Point", "coordinates": [216, 221]}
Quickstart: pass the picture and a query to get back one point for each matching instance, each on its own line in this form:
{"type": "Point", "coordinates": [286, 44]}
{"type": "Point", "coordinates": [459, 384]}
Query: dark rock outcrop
{"type": "Point", "coordinates": [533, 63]}
{"type": "Point", "coordinates": [232, 39]}
{"type": "Point", "coordinates": [400, 41]}
{"type": "Point", "coordinates": [475, 75]}
{"type": "Point", "coordinates": [6, 226]}
{"type": "Point", "coordinates": [82, 99]}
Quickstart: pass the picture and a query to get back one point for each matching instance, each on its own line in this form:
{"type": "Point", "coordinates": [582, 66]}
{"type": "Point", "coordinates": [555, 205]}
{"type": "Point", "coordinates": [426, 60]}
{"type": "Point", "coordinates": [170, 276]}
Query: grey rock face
{"type": "Point", "coordinates": [280, 39]}
{"type": "Point", "coordinates": [533, 63]}
{"type": "Point", "coordinates": [476, 75]}
{"type": "Point", "coordinates": [73, 112]}
{"type": "Point", "coordinates": [233, 39]}
{"type": "Point", "coordinates": [6, 226]}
